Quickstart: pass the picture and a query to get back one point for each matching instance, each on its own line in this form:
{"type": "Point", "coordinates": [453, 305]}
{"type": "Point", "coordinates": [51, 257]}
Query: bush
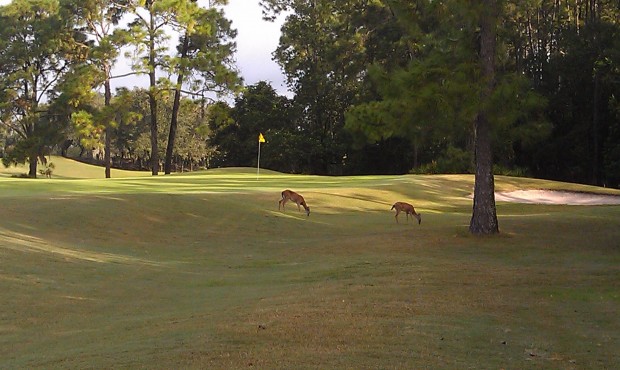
{"type": "Point", "coordinates": [454, 160]}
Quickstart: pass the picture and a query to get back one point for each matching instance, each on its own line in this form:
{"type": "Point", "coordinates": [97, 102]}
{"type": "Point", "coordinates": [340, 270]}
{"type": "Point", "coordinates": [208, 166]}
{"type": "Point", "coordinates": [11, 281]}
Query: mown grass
{"type": "Point", "coordinates": [202, 271]}
{"type": "Point", "coordinates": [64, 168]}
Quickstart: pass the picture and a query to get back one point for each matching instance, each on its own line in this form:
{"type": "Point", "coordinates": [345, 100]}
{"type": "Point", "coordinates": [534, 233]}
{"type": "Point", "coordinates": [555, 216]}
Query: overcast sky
{"type": "Point", "coordinates": [256, 40]}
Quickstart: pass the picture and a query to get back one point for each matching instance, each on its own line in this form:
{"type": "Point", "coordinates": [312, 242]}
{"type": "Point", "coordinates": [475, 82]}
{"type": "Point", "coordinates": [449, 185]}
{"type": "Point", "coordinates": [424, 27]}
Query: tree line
{"type": "Point", "coordinates": [399, 85]}
{"type": "Point", "coordinates": [57, 60]}
{"type": "Point", "coordinates": [379, 86]}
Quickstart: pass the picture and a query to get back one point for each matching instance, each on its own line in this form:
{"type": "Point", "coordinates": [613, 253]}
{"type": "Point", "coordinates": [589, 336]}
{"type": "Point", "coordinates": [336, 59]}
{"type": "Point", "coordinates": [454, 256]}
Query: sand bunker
{"type": "Point", "coordinates": [556, 197]}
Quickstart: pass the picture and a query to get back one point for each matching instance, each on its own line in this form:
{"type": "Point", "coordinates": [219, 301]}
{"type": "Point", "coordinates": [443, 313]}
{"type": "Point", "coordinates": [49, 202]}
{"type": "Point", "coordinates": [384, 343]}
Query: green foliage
{"type": "Point", "coordinates": [191, 149]}
{"type": "Point", "coordinates": [324, 50]}
{"type": "Point", "coordinates": [88, 131]}
{"type": "Point", "coordinates": [571, 54]}
{"type": "Point", "coordinates": [77, 87]}
{"type": "Point", "coordinates": [435, 98]}
{"type": "Point", "coordinates": [210, 55]}
{"type": "Point", "coordinates": [131, 131]}
{"type": "Point", "coordinates": [452, 160]}
{"type": "Point", "coordinates": [512, 171]}
{"type": "Point", "coordinates": [204, 57]}
{"type": "Point", "coordinates": [612, 147]}
{"type": "Point", "coordinates": [397, 81]}
{"type": "Point", "coordinates": [234, 131]}
{"type": "Point", "coordinates": [284, 151]}
{"type": "Point", "coordinates": [37, 50]}
{"type": "Point", "coordinates": [423, 101]}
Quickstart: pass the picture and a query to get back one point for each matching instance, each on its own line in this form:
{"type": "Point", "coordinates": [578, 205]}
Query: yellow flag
{"type": "Point", "coordinates": [261, 138]}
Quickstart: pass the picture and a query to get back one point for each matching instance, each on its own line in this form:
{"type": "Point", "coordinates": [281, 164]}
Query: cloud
{"type": "Point", "coordinates": [256, 41]}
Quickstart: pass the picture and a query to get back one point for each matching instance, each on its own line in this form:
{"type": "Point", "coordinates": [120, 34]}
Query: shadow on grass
{"type": "Point", "coordinates": [27, 243]}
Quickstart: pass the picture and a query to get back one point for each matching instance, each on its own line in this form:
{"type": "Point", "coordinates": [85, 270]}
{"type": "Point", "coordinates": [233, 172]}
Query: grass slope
{"type": "Point", "coordinates": [202, 271]}
{"type": "Point", "coordinates": [65, 168]}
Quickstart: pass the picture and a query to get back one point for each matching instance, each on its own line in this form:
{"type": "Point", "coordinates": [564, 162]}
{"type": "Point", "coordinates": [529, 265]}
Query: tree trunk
{"type": "Point", "coordinates": [595, 130]}
{"type": "Point", "coordinates": [153, 102]}
{"type": "Point", "coordinates": [484, 216]}
{"type": "Point", "coordinates": [108, 129]}
{"type": "Point", "coordinates": [32, 167]}
{"type": "Point", "coordinates": [154, 148]}
{"type": "Point", "coordinates": [175, 109]}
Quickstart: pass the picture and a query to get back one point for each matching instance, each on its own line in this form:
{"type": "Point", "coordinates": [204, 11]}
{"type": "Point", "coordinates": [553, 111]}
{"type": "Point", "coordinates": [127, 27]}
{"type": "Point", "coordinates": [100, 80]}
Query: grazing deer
{"type": "Point", "coordinates": [292, 196]}
{"type": "Point", "coordinates": [408, 209]}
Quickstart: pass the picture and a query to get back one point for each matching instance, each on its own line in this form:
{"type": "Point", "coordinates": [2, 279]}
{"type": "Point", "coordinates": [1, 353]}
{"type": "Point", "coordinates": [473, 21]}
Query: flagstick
{"type": "Point", "coordinates": [258, 165]}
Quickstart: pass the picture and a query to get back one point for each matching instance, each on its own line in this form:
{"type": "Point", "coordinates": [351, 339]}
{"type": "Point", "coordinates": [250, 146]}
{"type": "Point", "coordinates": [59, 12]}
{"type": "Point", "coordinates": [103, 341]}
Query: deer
{"type": "Point", "coordinates": [408, 209]}
{"type": "Point", "coordinates": [294, 197]}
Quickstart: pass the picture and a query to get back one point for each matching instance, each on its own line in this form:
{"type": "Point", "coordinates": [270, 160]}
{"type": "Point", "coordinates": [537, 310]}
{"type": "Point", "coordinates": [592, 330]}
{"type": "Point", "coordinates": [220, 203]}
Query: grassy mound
{"type": "Point", "coordinates": [201, 270]}
{"type": "Point", "coordinates": [65, 168]}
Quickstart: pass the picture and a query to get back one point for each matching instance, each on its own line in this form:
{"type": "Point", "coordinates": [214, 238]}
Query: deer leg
{"type": "Point", "coordinates": [282, 202]}
{"type": "Point", "coordinates": [396, 216]}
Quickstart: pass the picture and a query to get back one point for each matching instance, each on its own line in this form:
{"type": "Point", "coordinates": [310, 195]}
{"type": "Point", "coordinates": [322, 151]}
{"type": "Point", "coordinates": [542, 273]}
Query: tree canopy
{"type": "Point", "coordinates": [378, 86]}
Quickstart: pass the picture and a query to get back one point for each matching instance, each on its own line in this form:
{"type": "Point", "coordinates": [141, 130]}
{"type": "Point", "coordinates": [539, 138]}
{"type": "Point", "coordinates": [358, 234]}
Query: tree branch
{"type": "Point", "coordinates": [125, 75]}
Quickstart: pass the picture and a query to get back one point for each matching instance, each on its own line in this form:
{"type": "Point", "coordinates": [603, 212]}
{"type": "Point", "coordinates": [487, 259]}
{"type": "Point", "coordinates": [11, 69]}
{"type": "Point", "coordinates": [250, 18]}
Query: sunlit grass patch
{"type": "Point", "coordinates": [65, 168]}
